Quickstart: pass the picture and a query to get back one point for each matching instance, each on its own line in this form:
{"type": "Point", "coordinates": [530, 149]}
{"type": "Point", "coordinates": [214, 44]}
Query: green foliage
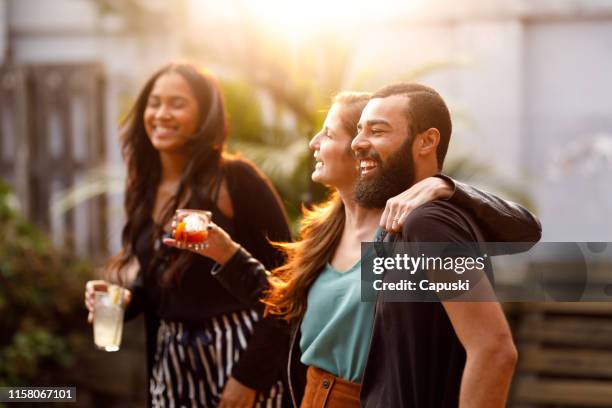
{"type": "Point", "coordinates": [41, 303]}
{"type": "Point", "coordinates": [277, 97]}
{"type": "Point", "coordinates": [280, 152]}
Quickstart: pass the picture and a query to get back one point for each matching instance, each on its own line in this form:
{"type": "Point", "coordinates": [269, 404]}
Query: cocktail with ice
{"type": "Point", "coordinates": [190, 228]}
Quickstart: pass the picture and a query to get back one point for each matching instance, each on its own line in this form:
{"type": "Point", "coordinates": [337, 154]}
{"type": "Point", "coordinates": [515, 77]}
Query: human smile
{"type": "Point", "coordinates": [366, 166]}
{"type": "Point", "coordinates": [164, 130]}
{"type": "Point", "coordinates": [319, 163]}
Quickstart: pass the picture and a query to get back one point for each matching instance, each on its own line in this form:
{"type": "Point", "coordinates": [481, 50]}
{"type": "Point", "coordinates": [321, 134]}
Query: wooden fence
{"type": "Point", "coordinates": [51, 134]}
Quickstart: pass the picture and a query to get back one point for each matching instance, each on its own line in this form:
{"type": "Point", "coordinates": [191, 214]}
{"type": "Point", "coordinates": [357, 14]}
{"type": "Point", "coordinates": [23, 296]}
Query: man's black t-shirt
{"type": "Point", "coordinates": [415, 358]}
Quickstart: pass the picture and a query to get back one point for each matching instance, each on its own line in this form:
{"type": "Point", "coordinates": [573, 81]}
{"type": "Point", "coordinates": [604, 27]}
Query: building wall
{"type": "Point", "coordinates": [567, 108]}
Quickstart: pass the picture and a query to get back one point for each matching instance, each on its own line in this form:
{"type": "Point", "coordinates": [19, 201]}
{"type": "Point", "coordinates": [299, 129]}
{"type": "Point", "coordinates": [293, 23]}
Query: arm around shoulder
{"type": "Point", "coordinates": [499, 219]}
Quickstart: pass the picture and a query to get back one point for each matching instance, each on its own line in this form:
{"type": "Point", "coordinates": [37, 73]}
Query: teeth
{"type": "Point", "coordinates": [366, 166]}
{"type": "Point", "coordinates": [367, 163]}
{"type": "Point", "coordinates": [164, 128]}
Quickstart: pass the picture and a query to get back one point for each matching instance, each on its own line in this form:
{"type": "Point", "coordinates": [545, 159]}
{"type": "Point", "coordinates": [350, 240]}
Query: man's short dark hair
{"type": "Point", "coordinates": [426, 109]}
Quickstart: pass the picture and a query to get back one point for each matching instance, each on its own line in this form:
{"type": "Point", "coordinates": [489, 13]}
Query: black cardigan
{"type": "Point", "coordinates": [258, 216]}
{"type": "Point", "coordinates": [497, 219]}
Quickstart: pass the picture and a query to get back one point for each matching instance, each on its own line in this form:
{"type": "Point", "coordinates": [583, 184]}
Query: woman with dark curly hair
{"type": "Point", "coordinates": [204, 347]}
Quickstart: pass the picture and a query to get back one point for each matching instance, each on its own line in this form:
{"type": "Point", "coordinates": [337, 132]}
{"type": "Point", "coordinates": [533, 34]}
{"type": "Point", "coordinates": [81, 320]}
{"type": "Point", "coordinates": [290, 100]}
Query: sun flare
{"type": "Point", "coordinates": [303, 19]}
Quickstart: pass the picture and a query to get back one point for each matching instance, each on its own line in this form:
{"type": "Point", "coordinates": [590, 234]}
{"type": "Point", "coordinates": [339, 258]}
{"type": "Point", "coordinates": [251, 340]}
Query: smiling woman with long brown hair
{"type": "Point", "coordinates": [204, 348]}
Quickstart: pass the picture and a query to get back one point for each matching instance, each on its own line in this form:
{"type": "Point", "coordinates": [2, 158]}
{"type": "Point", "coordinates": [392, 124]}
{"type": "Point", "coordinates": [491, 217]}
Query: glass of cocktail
{"type": "Point", "coordinates": [108, 318]}
{"type": "Point", "coordinates": [190, 228]}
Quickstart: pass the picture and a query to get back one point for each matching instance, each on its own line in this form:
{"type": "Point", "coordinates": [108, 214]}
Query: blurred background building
{"type": "Point", "coordinates": [528, 83]}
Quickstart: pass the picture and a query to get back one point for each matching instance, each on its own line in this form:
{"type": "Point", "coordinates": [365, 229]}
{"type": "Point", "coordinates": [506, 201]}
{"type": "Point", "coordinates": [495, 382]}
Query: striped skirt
{"type": "Point", "coordinates": [192, 366]}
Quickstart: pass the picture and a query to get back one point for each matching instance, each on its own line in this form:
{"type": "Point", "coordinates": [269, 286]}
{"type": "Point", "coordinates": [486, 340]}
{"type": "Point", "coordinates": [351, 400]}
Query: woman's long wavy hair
{"type": "Point", "coordinates": [320, 232]}
{"type": "Point", "coordinates": [144, 165]}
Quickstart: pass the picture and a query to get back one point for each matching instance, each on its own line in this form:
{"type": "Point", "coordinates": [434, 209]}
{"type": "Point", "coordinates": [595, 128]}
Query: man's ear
{"type": "Point", "coordinates": [427, 142]}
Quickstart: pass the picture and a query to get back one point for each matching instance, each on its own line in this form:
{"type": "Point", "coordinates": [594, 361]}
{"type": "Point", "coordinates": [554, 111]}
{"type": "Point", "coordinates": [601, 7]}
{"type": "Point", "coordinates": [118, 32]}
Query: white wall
{"type": "Point", "coordinates": [567, 101]}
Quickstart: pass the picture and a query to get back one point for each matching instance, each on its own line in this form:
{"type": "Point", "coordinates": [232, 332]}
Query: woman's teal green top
{"type": "Point", "coordinates": [337, 325]}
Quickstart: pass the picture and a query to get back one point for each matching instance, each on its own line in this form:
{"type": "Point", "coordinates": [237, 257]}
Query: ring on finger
{"type": "Point", "coordinates": [201, 246]}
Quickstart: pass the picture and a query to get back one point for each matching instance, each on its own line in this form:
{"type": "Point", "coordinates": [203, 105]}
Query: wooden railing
{"type": "Point", "coordinates": [565, 355]}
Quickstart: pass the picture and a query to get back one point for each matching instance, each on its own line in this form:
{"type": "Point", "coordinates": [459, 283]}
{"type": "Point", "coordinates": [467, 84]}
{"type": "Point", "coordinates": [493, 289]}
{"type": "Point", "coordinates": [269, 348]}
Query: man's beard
{"type": "Point", "coordinates": [391, 178]}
